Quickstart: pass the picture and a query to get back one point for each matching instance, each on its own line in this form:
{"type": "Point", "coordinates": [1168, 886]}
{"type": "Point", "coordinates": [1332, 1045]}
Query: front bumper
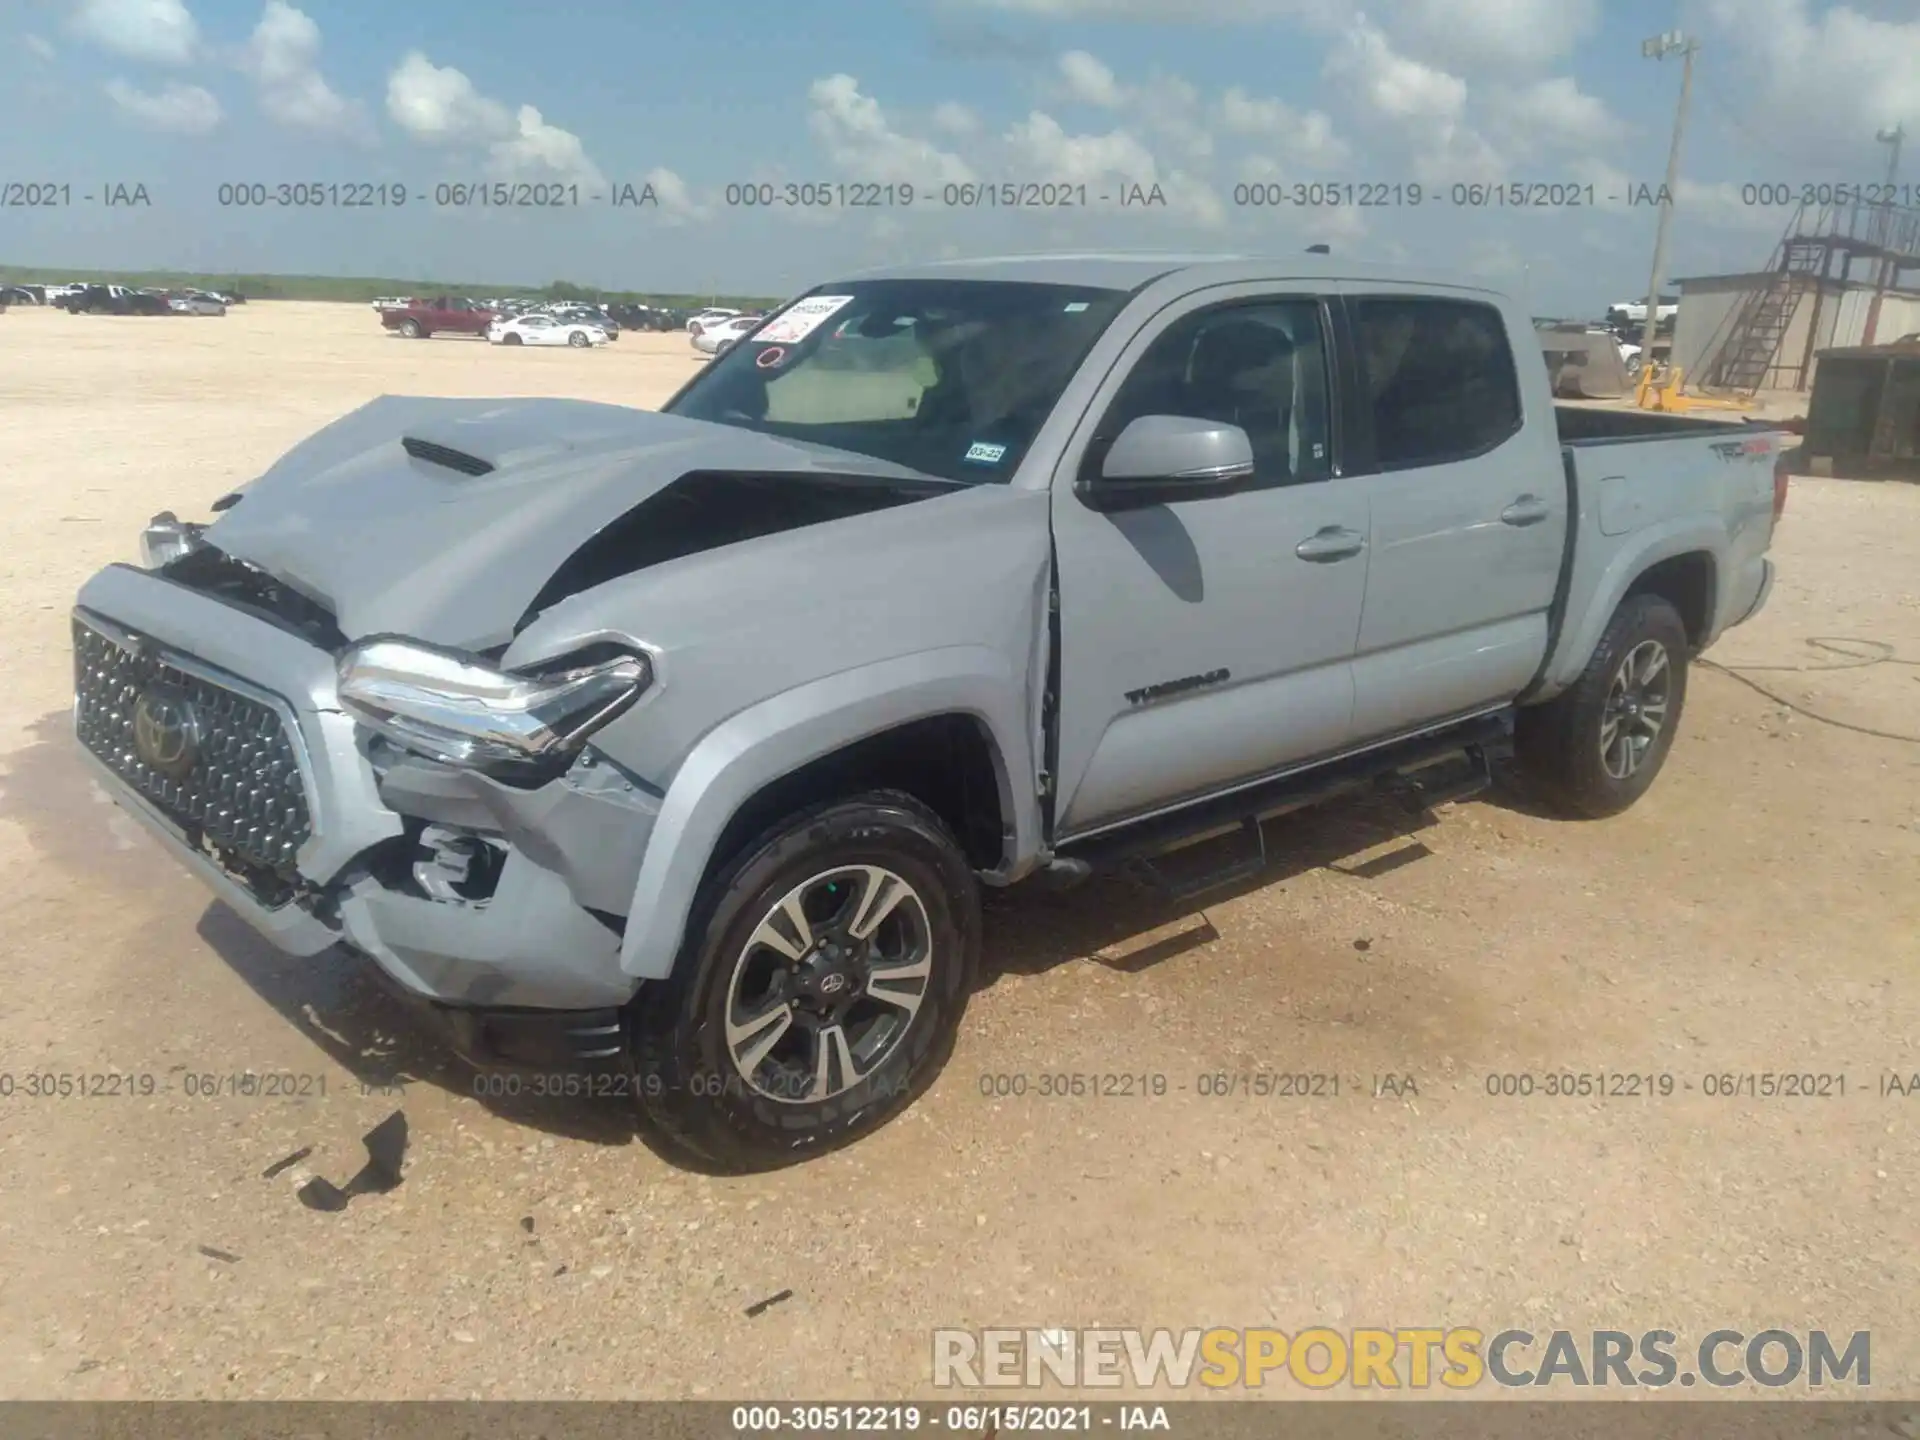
{"type": "Point", "coordinates": [544, 937]}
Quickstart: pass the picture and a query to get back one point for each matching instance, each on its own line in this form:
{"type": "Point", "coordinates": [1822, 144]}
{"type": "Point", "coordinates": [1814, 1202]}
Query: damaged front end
{"type": "Point", "coordinates": [442, 817]}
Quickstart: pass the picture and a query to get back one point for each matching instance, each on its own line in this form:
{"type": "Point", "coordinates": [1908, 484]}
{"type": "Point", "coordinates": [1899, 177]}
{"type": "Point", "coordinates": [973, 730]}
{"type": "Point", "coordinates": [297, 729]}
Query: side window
{"type": "Point", "coordinates": [1262, 367]}
{"type": "Point", "coordinates": [1439, 376]}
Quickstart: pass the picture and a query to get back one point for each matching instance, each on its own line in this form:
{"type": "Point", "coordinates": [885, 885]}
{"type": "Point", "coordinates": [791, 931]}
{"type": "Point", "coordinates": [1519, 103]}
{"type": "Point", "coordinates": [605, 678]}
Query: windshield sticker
{"type": "Point", "coordinates": [986, 454]}
{"type": "Point", "coordinates": [770, 357]}
{"type": "Point", "coordinates": [802, 318]}
{"type": "Point", "coordinates": [1076, 307]}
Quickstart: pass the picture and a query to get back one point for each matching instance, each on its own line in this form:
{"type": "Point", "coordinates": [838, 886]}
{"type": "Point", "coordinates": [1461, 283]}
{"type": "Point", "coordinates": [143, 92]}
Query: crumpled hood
{"type": "Point", "coordinates": [393, 543]}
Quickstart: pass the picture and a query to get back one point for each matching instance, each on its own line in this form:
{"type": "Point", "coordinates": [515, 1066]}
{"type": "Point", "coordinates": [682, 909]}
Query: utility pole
{"type": "Point", "coordinates": [1882, 270]}
{"type": "Point", "coordinates": [1658, 48]}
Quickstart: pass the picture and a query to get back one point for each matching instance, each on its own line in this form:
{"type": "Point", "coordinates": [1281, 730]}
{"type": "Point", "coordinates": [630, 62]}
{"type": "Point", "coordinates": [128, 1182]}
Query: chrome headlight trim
{"type": "Point", "coordinates": [462, 711]}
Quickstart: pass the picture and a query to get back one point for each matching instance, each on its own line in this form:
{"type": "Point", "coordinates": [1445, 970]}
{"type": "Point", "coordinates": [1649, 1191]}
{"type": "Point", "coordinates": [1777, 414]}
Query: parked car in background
{"type": "Point", "coordinates": [23, 295]}
{"type": "Point", "coordinates": [545, 330]}
{"type": "Point", "coordinates": [723, 335]}
{"type": "Point", "coordinates": [196, 302]}
{"type": "Point", "coordinates": [587, 315]}
{"type": "Point", "coordinates": [393, 302]}
{"type": "Point", "coordinates": [419, 319]}
{"type": "Point", "coordinates": [701, 319]}
{"type": "Point", "coordinates": [115, 300]}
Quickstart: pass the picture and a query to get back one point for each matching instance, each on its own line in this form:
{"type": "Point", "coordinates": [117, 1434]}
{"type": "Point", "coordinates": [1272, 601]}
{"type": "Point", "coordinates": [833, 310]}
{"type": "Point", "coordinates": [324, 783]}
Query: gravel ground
{"type": "Point", "coordinates": [1759, 912]}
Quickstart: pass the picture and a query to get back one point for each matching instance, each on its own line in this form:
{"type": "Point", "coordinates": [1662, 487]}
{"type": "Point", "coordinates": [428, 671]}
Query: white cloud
{"type": "Point", "coordinates": [175, 109]}
{"type": "Point", "coordinates": [1423, 105]}
{"type": "Point", "coordinates": [161, 31]}
{"type": "Point", "coordinates": [439, 105]}
{"type": "Point", "coordinates": [1807, 83]}
{"type": "Point", "coordinates": [1045, 148]}
{"type": "Point", "coordinates": [1553, 114]}
{"type": "Point", "coordinates": [40, 46]}
{"type": "Point", "coordinates": [955, 118]}
{"type": "Point", "coordinates": [859, 139]}
{"type": "Point", "coordinates": [1306, 140]}
{"type": "Point", "coordinates": [1496, 36]}
{"type": "Point", "coordinates": [537, 148]}
{"type": "Point", "coordinates": [1042, 147]}
{"type": "Point", "coordinates": [677, 202]}
{"type": "Point", "coordinates": [283, 60]}
{"type": "Point", "coordinates": [1089, 81]}
{"type": "Point", "coordinates": [1226, 12]}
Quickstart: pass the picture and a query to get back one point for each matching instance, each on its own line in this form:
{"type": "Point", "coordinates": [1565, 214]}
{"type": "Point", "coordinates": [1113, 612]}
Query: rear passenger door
{"type": "Point", "coordinates": [1468, 505]}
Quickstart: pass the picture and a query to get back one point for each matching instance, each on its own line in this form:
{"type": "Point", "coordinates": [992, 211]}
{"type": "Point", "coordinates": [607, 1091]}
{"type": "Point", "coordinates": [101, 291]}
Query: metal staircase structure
{"type": "Point", "coordinates": [1816, 255]}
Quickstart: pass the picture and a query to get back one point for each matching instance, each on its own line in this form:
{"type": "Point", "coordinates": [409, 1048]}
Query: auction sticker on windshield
{"type": "Point", "coordinates": [801, 319]}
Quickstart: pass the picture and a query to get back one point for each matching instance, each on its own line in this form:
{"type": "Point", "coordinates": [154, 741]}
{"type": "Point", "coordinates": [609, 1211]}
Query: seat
{"type": "Point", "coordinates": [1242, 373]}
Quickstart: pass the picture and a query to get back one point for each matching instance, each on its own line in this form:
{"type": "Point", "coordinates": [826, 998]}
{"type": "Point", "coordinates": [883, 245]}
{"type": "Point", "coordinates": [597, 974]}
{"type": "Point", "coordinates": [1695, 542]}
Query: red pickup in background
{"type": "Point", "coordinates": [420, 318]}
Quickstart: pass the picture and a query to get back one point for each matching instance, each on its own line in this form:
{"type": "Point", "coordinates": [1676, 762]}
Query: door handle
{"type": "Point", "coordinates": [1527, 510]}
{"type": "Point", "coordinates": [1335, 542]}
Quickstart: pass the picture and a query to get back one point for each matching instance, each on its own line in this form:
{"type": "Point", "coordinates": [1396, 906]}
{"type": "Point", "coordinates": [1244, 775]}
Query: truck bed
{"type": "Point", "coordinates": [1608, 424]}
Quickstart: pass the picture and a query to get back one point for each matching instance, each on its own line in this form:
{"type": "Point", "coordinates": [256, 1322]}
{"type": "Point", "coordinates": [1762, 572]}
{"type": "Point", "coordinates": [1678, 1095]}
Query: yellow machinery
{"type": "Point", "coordinates": [1670, 397]}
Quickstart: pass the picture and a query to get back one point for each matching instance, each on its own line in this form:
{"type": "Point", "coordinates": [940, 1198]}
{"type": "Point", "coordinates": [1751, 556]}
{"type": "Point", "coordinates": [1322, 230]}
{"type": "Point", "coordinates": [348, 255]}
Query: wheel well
{"type": "Point", "coordinates": [945, 761]}
{"type": "Point", "coordinates": [1686, 583]}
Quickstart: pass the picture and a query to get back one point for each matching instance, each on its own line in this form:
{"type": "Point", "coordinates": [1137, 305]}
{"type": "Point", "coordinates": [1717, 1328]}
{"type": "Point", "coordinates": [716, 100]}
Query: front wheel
{"type": "Point", "coordinates": [820, 989]}
{"type": "Point", "coordinates": [1595, 748]}
{"type": "Point", "coordinates": [579, 340]}
{"type": "Point", "coordinates": [410, 329]}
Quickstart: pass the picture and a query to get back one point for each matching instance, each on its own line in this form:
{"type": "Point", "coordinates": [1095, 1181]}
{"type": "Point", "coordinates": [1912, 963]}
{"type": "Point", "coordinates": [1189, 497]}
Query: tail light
{"type": "Point", "coordinates": [1780, 464]}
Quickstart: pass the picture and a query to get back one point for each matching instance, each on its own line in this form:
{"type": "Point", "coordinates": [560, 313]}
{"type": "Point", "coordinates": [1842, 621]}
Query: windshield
{"type": "Point", "coordinates": [949, 377]}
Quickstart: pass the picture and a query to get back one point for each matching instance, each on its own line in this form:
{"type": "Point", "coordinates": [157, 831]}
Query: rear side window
{"type": "Point", "coordinates": [1439, 377]}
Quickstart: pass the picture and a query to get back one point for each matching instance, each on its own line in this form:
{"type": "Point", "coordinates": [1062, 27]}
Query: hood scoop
{"type": "Point", "coordinates": [435, 453]}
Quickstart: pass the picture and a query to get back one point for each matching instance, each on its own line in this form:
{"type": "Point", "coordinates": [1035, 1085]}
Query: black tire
{"type": "Point", "coordinates": [511, 339]}
{"type": "Point", "coordinates": [410, 329]}
{"type": "Point", "coordinates": [687, 1082]}
{"type": "Point", "coordinates": [1560, 744]}
{"type": "Point", "coordinates": [579, 340]}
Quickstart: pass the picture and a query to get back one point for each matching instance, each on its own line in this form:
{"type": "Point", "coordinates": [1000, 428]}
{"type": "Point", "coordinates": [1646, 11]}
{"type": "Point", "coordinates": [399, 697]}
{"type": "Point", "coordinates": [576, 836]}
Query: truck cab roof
{"type": "Point", "coordinates": [1121, 270]}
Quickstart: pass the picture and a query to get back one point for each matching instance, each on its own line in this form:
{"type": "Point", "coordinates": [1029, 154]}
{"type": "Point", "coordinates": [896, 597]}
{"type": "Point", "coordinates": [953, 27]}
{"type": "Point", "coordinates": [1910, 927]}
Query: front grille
{"type": "Point", "coordinates": [239, 794]}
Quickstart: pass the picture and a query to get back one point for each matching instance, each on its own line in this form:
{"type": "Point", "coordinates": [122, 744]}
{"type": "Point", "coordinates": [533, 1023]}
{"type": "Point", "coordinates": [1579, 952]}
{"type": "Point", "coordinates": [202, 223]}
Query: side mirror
{"type": "Point", "coordinates": [1160, 459]}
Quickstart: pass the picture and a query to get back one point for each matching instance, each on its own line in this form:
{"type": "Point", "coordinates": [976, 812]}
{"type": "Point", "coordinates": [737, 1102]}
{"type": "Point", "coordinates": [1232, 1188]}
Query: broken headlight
{"type": "Point", "coordinates": [166, 538]}
{"type": "Point", "coordinates": [461, 711]}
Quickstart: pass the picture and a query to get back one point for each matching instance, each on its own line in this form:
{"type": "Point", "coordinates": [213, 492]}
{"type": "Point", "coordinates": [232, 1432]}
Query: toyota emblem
{"type": "Point", "coordinates": [166, 731]}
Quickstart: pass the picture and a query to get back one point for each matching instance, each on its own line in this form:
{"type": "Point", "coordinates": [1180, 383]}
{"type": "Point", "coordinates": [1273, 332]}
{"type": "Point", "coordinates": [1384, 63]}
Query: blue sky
{"type": "Point", "coordinates": [1198, 97]}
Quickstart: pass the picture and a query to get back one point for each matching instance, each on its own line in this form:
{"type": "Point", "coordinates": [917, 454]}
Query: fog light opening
{"type": "Point", "coordinates": [458, 866]}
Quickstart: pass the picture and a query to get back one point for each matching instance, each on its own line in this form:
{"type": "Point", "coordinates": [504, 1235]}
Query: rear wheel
{"type": "Point", "coordinates": [820, 988]}
{"type": "Point", "coordinates": [1596, 748]}
{"type": "Point", "coordinates": [510, 339]}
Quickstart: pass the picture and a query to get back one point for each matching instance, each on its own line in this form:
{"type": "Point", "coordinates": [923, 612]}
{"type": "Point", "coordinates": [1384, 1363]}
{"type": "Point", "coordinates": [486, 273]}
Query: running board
{"type": "Point", "coordinates": [1428, 789]}
{"type": "Point", "coordinates": [1398, 768]}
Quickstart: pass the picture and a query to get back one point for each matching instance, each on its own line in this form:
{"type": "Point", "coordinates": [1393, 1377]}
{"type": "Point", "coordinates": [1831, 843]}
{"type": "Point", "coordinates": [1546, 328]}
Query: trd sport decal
{"type": "Point", "coordinates": [1177, 687]}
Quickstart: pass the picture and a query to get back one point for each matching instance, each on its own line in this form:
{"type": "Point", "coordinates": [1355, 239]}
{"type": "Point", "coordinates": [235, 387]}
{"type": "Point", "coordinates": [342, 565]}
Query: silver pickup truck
{"type": "Point", "coordinates": [679, 743]}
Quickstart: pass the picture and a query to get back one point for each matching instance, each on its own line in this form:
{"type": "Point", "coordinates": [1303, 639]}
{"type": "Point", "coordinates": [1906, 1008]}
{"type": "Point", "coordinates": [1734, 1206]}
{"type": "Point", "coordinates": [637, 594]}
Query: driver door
{"type": "Point", "coordinates": [1210, 642]}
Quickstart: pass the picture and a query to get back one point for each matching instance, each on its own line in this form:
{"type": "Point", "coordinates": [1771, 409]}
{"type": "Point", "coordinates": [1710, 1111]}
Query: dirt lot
{"type": "Point", "coordinates": [1760, 912]}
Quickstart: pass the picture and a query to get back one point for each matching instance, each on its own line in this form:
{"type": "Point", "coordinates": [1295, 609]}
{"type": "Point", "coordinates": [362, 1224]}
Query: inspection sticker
{"type": "Point", "coordinates": [986, 454]}
{"type": "Point", "coordinates": [801, 319]}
